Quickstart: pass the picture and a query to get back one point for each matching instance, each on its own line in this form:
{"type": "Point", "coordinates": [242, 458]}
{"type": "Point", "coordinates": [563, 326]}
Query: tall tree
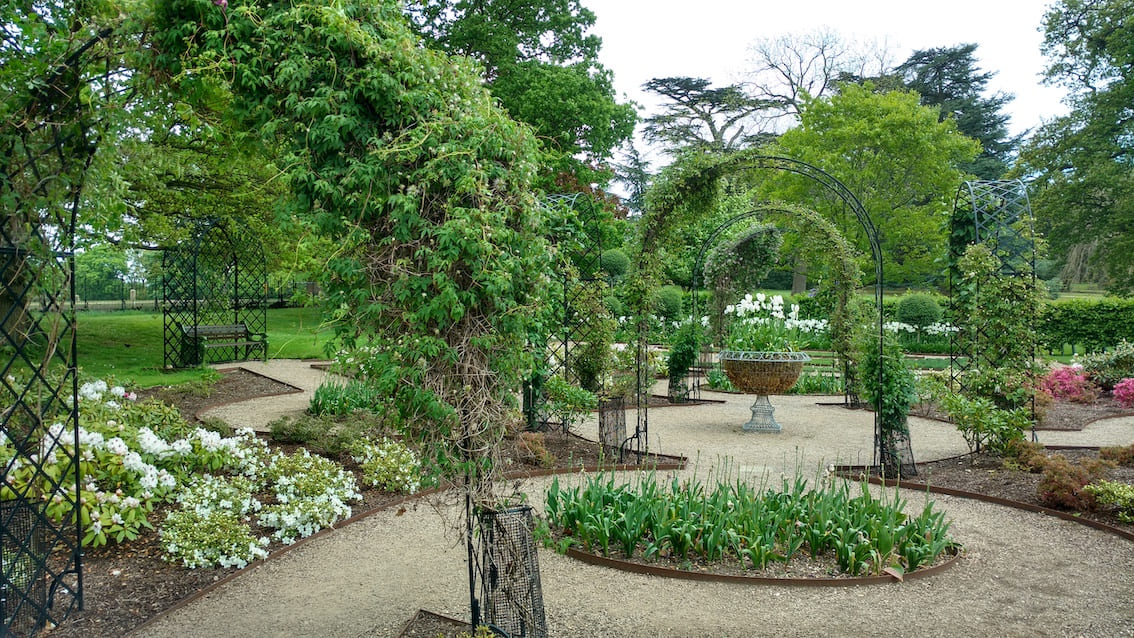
{"type": "Point", "coordinates": [789, 69]}
{"type": "Point", "coordinates": [949, 78]}
{"type": "Point", "coordinates": [896, 157]}
{"type": "Point", "coordinates": [541, 63]}
{"type": "Point", "coordinates": [703, 118]}
{"type": "Point", "coordinates": [1083, 185]}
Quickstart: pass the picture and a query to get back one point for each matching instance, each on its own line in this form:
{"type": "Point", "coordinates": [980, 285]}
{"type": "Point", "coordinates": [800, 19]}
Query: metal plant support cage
{"type": "Point", "coordinates": [214, 281]}
{"type": "Point", "coordinates": [574, 327]}
{"type": "Point", "coordinates": [998, 214]}
{"type": "Point", "coordinates": [893, 456]}
{"type": "Point", "coordinates": [510, 593]}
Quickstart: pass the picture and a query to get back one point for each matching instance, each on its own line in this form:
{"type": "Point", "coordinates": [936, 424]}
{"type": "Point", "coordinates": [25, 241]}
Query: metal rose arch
{"type": "Point", "coordinates": [893, 453]}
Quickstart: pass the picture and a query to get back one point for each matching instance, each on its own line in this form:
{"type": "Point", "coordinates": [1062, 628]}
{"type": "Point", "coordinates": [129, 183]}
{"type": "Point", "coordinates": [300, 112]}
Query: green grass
{"type": "Point", "coordinates": [128, 346]}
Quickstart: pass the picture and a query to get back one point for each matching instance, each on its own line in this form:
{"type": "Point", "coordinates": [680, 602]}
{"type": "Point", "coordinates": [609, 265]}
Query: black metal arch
{"type": "Point", "coordinates": [882, 453]}
{"type": "Point", "coordinates": [214, 284]}
{"type": "Point", "coordinates": [992, 212]}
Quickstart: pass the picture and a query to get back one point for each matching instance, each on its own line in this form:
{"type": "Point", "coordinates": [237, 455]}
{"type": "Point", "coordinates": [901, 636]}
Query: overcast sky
{"type": "Point", "coordinates": [644, 39]}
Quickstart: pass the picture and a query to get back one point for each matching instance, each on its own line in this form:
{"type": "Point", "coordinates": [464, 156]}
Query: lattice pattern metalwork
{"type": "Point", "coordinates": [214, 291]}
{"type": "Point", "coordinates": [577, 321]}
{"type": "Point", "coordinates": [998, 214]}
{"type": "Point", "coordinates": [46, 146]}
{"type": "Point", "coordinates": [510, 593]}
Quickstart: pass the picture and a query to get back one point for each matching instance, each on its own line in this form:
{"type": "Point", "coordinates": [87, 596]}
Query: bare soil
{"type": "Point", "coordinates": [126, 585]}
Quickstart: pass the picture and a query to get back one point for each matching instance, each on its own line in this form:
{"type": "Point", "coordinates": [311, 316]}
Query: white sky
{"type": "Point", "coordinates": [644, 39]}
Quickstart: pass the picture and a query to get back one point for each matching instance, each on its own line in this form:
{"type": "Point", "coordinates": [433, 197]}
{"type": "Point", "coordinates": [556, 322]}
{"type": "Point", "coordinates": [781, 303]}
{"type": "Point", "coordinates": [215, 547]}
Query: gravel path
{"type": "Point", "coordinates": [1022, 574]}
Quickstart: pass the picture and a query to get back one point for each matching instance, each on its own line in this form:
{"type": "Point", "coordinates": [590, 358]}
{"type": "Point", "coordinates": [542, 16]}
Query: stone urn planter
{"type": "Point", "coordinates": [763, 373]}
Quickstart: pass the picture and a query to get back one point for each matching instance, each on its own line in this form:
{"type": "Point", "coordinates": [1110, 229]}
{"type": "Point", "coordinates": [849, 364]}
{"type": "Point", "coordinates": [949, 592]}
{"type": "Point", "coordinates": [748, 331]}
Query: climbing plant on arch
{"type": "Point", "coordinates": [689, 188]}
{"type": "Point", "coordinates": [825, 243]}
{"type": "Point", "coordinates": [400, 156]}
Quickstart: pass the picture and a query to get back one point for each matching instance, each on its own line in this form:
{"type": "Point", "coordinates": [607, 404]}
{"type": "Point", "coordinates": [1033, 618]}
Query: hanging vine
{"type": "Point", "coordinates": [399, 155]}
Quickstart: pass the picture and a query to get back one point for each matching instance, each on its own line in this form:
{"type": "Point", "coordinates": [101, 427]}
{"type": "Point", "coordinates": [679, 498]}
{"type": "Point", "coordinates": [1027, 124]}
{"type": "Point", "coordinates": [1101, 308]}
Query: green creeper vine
{"type": "Point", "coordinates": [398, 154]}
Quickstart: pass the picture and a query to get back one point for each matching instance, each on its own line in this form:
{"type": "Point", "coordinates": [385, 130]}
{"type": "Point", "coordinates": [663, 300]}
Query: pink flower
{"type": "Point", "coordinates": [221, 3]}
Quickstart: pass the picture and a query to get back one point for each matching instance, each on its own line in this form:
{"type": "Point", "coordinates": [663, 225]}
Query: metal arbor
{"type": "Point", "coordinates": [578, 322]}
{"type": "Point", "coordinates": [999, 215]}
{"type": "Point", "coordinates": [214, 292]}
{"type": "Point", "coordinates": [46, 146]}
{"type": "Point", "coordinates": [893, 452]}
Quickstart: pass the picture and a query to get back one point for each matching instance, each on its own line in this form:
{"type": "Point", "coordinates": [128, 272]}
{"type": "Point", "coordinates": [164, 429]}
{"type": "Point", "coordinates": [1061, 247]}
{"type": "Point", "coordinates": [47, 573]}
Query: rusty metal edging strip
{"type": "Point", "coordinates": [679, 574]}
{"type": "Point", "coordinates": [996, 500]}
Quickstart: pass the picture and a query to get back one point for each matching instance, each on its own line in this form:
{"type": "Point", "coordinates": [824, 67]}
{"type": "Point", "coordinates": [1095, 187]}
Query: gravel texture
{"type": "Point", "coordinates": [1021, 574]}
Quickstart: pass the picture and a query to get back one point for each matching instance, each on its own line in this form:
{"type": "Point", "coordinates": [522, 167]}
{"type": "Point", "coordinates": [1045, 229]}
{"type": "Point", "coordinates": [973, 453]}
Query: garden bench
{"type": "Point", "coordinates": [234, 335]}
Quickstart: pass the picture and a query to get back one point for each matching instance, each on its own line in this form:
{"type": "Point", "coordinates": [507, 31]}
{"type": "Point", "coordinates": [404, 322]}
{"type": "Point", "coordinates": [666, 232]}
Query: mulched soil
{"type": "Point", "coordinates": [987, 474]}
{"type": "Point", "coordinates": [126, 585]}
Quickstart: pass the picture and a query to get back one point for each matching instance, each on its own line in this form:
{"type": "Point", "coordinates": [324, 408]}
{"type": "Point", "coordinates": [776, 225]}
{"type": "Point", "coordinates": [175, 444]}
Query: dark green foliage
{"type": "Point", "coordinates": [614, 262]}
{"type": "Point", "coordinates": [919, 310]}
{"type": "Point", "coordinates": [738, 266]}
{"type": "Point", "coordinates": [615, 306]}
{"type": "Point", "coordinates": [701, 118]}
{"type": "Point", "coordinates": [897, 386]}
{"type": "Point", "coordinates": [667, 302]}
{"type": "Point", "coordinates": [683, 351]}
{"type": "Point", "coordinates": [399, 155]}
{"type": "Point", "coordinates": [1092, 324]}
{"type": "Point", "coordinates": [1079, 163]}
{"type": "Point", "coordinates": [995, 315]}
{"type": "Point", "coordinates": [949, 78]}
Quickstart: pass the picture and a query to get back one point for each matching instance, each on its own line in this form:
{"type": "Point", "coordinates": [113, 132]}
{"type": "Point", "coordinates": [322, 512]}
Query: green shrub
{"type": "Point", "coordinates": [615, 306]}
{"type": "Point", "coordinates": [983, 425]}
{"type": "Point", "coordinates": [896, 388]}
{"type": "Point", "coordinates": [1110, 367]}
{"type": "Point", "coordinates": [667, 302]}
{"type": "Point", "coordinates": [1118, 495]}
{"type": "Point", "coordinates": [918, 309]}
{"type": "Point", "coordinates": [387, 465]}
{"type": "Point", "coordinates": [1094, 324]}
{"type": "Point", "coordinates": [334, 398]}
{"type": "Point", "coordinates": [614, 262]}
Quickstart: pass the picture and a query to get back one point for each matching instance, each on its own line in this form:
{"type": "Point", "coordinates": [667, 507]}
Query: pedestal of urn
{"type": "Point", "coordinates": [763, 373]}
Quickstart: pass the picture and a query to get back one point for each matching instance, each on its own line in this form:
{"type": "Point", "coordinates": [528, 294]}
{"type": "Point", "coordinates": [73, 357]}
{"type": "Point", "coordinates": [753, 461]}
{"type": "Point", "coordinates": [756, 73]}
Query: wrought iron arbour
{"type": "Point", "coordinates": [999, 215]}
{"type": "Point", "coordinates": [575, 324]}
{"type": "Point", "coordinates": [218, 277]}
{"type": "Point", "coordinates": [893, 456]}
{"type": "Point", "coordinates": [46, 146]}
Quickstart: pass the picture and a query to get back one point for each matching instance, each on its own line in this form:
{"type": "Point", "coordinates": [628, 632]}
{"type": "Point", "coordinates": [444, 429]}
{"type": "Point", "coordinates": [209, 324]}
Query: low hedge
{"type": "Point", "coordinates": [1093, 324]}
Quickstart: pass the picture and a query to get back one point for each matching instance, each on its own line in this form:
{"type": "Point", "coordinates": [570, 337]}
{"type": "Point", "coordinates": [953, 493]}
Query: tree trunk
{"type": "Point", "coordinates": [799, 277]}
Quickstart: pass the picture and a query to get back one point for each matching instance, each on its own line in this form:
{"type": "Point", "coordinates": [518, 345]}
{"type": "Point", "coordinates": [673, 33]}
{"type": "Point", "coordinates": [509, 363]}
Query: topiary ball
{"type": "Point", "coordinates": [919, 309]}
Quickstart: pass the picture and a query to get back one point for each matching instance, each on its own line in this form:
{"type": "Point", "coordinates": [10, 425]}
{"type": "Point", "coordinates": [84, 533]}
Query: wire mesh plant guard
{"type": "Point", "coordinates": [214, 284]}
{"type": "Point", "coordinates": [763, 373]}
{"type": "Point", "coordinates": [511, 596]}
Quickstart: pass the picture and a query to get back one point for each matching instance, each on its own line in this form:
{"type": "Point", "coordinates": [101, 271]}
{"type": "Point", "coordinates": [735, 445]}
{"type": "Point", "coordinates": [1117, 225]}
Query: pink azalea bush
{"type": "Point", "coordinates": [1070, 383]}
{"type": "Point", "coordinates": [1124, 392]}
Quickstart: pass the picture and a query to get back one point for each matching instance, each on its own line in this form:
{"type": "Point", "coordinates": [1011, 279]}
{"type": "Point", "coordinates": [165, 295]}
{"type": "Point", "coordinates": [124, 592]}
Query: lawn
{"type": "Point", "coordinates": [128, 346]}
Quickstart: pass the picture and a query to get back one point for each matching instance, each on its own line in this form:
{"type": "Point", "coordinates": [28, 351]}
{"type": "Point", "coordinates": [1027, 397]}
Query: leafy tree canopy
{"type": "Point", "coordinates": [1083, 186]}
{"type": "Point", "coordinates": [949, 78]}
{"type": "Point", "coordinates": [541, 63]}
{"type": "Point", "coordinates": [399, 155]}
{"type": "Point", "coordinates": [702, 118]}
{"type": "Point", "coordinates": [896, 156]}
